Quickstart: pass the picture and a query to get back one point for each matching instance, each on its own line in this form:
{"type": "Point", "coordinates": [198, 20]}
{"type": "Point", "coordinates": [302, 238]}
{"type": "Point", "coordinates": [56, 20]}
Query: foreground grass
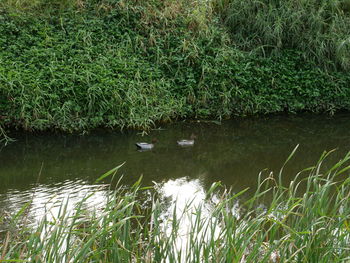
{"type": "Point", "coordinates": [305, 221]}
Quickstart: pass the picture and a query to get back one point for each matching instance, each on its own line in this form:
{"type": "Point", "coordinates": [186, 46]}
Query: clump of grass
{"type": "Point", "coordinates": [39, 7]}
{"type": "Point", "coordinates": [305, 221]}
{"type": "Point", "coordinates": [319, 29]}
{"type": "Point", "coordinates": [196, 15]}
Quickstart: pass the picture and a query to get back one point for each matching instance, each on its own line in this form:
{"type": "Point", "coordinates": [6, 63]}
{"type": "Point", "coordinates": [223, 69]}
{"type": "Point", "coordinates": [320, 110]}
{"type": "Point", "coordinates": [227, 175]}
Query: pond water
{"type": "Point", "coordinates": [50, 168]}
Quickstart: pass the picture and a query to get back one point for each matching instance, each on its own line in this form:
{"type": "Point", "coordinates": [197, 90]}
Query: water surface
{"type": "Point", "coordinates": [49, 168]}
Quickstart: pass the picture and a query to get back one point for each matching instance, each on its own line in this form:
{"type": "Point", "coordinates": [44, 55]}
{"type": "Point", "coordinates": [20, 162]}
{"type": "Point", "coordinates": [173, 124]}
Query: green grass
{"type": "Point", "coordinates": [305, 221]}
{"type": "Point", "coordinates": [319, 29]}
{"type": "Point", "coordinates": [79, 65]}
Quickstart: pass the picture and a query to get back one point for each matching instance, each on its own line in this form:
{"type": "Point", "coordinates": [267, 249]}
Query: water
{"type": "Point", "coordinates": [49, 169]}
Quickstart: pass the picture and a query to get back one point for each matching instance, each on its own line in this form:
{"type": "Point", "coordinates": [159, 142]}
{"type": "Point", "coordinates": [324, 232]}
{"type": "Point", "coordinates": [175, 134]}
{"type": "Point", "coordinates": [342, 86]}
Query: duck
{"type": "Point", "coordinates": [187, 142]}
{"type": "Point", "coordinates": [145, 145]}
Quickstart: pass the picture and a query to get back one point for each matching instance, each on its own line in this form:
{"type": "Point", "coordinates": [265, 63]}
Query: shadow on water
{"type": "Point", "coordinates": [233, 153]}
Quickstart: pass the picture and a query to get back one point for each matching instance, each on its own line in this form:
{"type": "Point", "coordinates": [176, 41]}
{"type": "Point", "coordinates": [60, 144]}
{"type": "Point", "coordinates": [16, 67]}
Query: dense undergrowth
{"type": "Point", "coordinates": [77, 65]}
{"type": "Point", "coordinates": [318, 28]}
{"type": "Point", "coordinates": [305, 221]}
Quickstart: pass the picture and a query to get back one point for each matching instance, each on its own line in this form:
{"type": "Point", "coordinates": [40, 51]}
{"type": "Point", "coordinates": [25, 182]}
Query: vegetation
{"type": "Point", "coordinates": [318, 28]}
{"type": "Point", "coordinates": [78, 65]}
{"type": "Point", "coordinates": [306, 221]}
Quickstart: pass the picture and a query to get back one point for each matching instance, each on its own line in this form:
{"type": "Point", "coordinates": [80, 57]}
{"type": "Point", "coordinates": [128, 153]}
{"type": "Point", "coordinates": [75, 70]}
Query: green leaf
{"type": "Point", "coordinates": [112, 171]}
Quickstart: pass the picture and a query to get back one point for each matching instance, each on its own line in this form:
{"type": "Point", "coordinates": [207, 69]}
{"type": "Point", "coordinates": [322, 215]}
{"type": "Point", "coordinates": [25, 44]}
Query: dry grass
{"type": "Point", "coordinates": [196, 13]}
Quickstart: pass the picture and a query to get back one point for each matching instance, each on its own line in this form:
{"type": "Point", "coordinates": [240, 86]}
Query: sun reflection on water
{"type": "Point", "coordinates": [187, 197]}
{"type": "Point", "coordinates": [47, 200]}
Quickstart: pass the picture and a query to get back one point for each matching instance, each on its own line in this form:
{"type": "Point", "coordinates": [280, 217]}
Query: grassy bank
{"type": "Point", "coordinates": [78, 65]}
{"type": "Point", "coordinates": [305, 221]}
{"type": "Point", "coordinates": [317, 28]}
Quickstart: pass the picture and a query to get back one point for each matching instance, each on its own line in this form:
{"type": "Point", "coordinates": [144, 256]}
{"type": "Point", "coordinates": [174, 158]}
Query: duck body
{"type": "Point", "coordinates": [144, 145]}
{"type": "Point", "coordinates": [185, 142]}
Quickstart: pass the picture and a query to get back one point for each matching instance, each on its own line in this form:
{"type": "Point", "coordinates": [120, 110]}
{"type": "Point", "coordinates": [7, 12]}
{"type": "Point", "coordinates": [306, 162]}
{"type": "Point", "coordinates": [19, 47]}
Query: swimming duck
{"type": "Point", "coordinates": [145, 145]}
{"type": "Point", "coordinates": [187, 142]}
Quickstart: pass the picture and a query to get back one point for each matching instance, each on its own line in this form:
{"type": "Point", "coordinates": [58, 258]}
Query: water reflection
{"type": "Point", "coordinates": [186, 197]}
{"type": "Point", "coordinates": [234, 153]}
{"type": "Point", "coordinates": [49, 201]}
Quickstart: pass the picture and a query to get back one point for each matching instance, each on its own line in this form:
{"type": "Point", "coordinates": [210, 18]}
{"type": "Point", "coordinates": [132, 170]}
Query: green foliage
{"type": "Point", "coordinates": [38, 7]}
{"type": "Point", "coordinates": [304, 221]}
{"type": "Point", "coordinates": [129, 64]}
{"type": "Point", "coordinates": [319, 29]}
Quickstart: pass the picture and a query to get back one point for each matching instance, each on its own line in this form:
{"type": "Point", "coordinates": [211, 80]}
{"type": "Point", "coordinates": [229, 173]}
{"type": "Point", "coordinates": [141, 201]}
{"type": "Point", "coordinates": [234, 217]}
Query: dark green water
{"type": "Point", "coordinates": [49, 168]}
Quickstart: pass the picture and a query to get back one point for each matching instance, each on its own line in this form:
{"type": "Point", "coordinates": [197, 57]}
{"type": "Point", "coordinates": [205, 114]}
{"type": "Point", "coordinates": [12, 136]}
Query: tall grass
{"type": "Point", "coordinates": [39, 7]}
{"type": "Point", "coordinates": [320, 29]}
{"type": "Point", "coordinates": [305, 221]}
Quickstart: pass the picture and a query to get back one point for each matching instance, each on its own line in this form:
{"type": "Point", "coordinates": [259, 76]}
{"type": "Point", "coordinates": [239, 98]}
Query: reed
{"type": "Point", "coordinates": [319, 29]}
{"type": "Point", "coordinates": [304, 221]}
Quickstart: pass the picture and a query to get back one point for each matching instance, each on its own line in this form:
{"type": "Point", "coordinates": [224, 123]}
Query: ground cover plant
{"type": "Point", "coordinates": [78, 65]}
{"type": "Point", "coordinates": [305, 221]}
